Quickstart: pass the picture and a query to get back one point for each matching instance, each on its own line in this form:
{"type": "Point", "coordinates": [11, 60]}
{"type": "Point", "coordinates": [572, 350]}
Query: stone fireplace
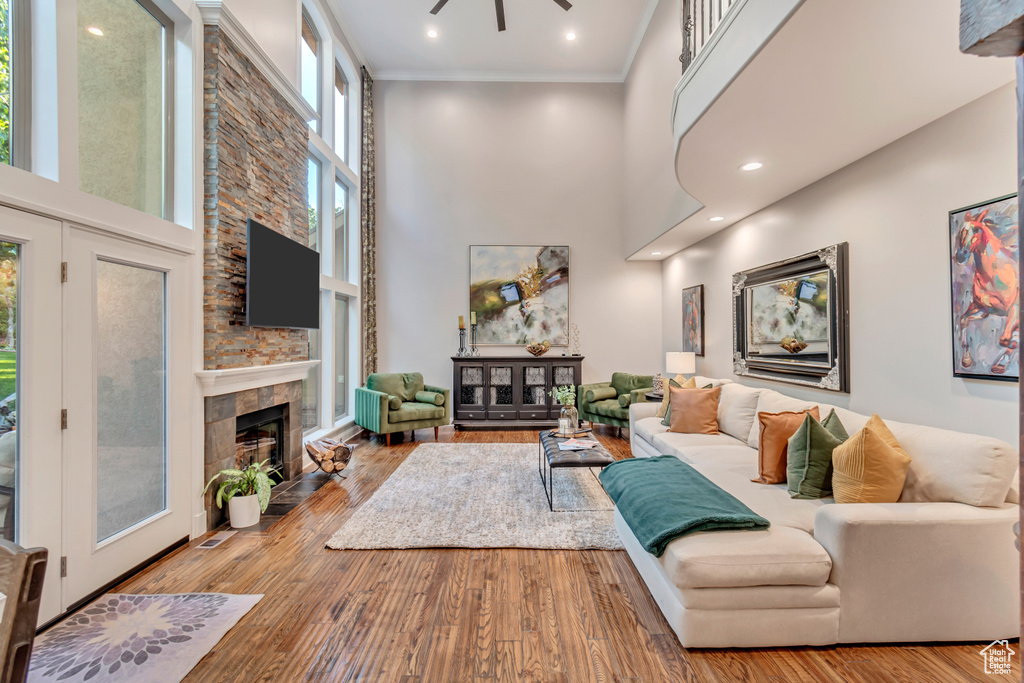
{"type": "Point", "coordinates": [256, 172]}
{"type": "Point", "coordinates": [238, 431]}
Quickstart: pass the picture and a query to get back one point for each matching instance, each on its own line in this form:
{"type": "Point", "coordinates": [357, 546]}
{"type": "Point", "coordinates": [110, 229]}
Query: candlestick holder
{"type": "Point", "coordinates": [462, 344]}
{"type": "Point", "coordinates": [473, 350]}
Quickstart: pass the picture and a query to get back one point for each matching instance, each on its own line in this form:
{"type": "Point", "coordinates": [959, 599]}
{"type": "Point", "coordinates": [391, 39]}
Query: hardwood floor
{"type": "Point", "coordinates": [429, 616]}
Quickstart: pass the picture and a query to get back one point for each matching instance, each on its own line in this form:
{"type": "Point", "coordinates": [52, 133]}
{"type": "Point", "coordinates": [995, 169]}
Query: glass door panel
{"type": "Point", "coordinates": [535, 382]}
{"type": "Point", "coordinates": [501, 386]}
{"type": "Point", "coordinates": [562, 375]}
{"type": "Point", "coordinates": [130, 396]}
{"type": "Point", "coordinates": [9, 451]}
{"type": "Point", "coordinates": [471, 386]}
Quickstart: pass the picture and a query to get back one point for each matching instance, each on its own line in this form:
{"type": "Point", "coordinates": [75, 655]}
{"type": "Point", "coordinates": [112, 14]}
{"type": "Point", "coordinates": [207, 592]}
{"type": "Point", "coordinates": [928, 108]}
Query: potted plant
{"type": "Point", "coordinates": [247, 491]}
{"type": "Point", "coordinates": [569, 417]}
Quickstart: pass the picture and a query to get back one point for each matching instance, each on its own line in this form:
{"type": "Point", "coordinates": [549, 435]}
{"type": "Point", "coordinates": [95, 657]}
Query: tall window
{"type": "Point", "coordinates": [309, 66]}
{"type": "Point", "coordinates": [5, 81]}
{"type": "Point", "coordinates": [340, 114]}
{"type": "Point", "coordinates": [340, 356]}
{"type": "Point", "coordinates": [124, 103]}
{"type": "Point", "coordinates": [340, 230]}
{"type": "Point", "coordinates": [313, 202]}
{"type": "Point", "coordinates": [311, 387]}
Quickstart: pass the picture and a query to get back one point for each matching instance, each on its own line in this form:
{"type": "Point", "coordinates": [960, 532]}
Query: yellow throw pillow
{"type": "Point", "coordinates": [682, 382]}
{"type": "Point", "coordinates": [870, 467]}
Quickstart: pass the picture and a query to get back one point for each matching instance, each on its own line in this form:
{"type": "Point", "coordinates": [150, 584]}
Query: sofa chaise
{"type": "Point", "coordinates": [940, 565]}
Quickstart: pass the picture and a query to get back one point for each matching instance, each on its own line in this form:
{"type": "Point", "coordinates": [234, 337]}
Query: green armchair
{"type": "Point", "coordinates": [396, 402]}
{"type": "Point", "coordinates": [608, 402]}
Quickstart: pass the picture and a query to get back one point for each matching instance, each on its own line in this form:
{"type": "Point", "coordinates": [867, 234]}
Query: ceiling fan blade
{"type": "Point", "coordinates": [564, 4]}
{"type": "Point", "coordinates": [438, 6]}
{"type": "Point", "coordinates": [499, 7]}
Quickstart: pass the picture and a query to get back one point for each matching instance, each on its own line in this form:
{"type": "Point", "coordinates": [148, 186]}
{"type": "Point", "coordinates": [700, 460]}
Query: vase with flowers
{"type": "Point", "coordinates": [568, 419]}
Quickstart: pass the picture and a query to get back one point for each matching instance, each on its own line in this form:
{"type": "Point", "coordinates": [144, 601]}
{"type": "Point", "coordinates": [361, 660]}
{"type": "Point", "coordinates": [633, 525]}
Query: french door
{"type": "Point", "coordinates": [94, 423]}
{"type": "Point", "coordinates": [31, 483]}
{"type": "Point", "coordinates": [126, 465]}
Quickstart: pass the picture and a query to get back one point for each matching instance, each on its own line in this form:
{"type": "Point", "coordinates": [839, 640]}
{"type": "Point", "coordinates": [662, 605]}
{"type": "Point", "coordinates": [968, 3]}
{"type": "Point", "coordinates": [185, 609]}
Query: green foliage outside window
{"type": "Point", "coordinates": [5, 83]}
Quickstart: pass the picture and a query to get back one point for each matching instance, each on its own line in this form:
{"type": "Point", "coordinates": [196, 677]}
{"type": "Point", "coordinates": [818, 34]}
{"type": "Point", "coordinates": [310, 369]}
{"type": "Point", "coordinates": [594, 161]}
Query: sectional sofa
{"type": "Point", "coordinates": [940, 565]}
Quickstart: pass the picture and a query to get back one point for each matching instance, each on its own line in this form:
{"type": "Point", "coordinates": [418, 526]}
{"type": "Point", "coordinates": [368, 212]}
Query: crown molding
{"type": "Point", "coordinates": [495, 77]}
{"type": "Point", "coordinates": [214, 13]}
{"type": "Point", "coordinates": [232, 380]}
{"type": "Point", "coordinates": [638, 38]}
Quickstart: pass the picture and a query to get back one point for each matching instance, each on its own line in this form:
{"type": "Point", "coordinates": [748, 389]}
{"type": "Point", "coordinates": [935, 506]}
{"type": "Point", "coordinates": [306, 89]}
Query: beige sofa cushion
{"type": "Point", "coordinates": [769, 401]}
{"type": "Point", "coordinates": [649, 427]}
{"type": "Point", "coordinates": [737, 409]}
{"type": "Point", "coordinates": [777, 556]}
{"type": "Point", "coordinates": [953, 467]}
{"type": "Point", "coordinates": [673, 443]}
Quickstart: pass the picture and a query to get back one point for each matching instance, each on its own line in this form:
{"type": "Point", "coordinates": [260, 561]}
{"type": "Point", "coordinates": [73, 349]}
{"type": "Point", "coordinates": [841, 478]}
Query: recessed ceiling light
{"type": "Point", "coordinates": [432, 33]}
{"type": "Point", "coordinates": [715, 219]}
{"type": "Point", "coordinates": [95, 31]}
{"type": "Point", "coordinates": [570, 36]}
{"type": "Point", "coordinates": [655, 253]}
{"type": "Point", "coordinates": [752, 166]}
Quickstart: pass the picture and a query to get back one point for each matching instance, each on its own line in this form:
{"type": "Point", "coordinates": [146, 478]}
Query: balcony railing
{"type": "Point", "coordinates": [699, 20]}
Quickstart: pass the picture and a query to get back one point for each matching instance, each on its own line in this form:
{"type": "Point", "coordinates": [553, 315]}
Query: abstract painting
{"type": "Point", "coordinates": [984, 277]}
{"type": "Point", "coordinates": [789, 317]}
{"type": "Point", "coordinates": [791, 320]}
{"type": "Point", "coordinates": [520, 294]}
{"type": "Point", "coordinates": [693, 319]}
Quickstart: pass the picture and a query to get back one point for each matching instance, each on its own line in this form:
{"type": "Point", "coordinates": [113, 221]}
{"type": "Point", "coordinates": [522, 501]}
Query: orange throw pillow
{"type": "Point", "coordinates": [870, 467]}
{"type": "Point", "coordinates": [773, 449]}
{"type": "Point", "coordinates": [694, 411]}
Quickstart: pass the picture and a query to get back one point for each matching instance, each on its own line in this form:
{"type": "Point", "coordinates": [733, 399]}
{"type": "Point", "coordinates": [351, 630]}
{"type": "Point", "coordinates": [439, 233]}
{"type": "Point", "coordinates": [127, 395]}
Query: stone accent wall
{"type": "Point", "coordinates": [255, 167]}
{"type": "Point", "coordinates": [220, 451]}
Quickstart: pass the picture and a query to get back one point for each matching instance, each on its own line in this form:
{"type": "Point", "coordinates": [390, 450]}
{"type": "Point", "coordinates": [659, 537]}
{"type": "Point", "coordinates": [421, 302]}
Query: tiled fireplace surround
{"type": "Point", "coordinates": [220, 449]}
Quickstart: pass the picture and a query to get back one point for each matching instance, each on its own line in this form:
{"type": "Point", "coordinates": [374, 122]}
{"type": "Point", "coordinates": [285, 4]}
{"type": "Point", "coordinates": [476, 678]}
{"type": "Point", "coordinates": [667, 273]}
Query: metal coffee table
{"type": "Point", "coordinates": [550, 459]}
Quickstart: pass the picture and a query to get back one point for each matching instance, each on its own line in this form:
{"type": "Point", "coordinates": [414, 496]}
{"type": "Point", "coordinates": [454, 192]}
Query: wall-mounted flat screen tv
{"type": "Point", "coordinates": [282, 281]}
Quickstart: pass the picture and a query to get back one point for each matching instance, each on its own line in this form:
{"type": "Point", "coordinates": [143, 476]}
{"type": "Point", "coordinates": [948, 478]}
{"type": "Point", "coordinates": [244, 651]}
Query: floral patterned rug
{"type": "Point", "coordinates": [157, 638]}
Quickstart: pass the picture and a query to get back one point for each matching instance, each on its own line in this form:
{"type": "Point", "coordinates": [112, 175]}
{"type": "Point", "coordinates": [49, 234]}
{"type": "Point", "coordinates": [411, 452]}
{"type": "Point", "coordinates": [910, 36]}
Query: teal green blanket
{"type": "Point", "coordinates": [663, 498]}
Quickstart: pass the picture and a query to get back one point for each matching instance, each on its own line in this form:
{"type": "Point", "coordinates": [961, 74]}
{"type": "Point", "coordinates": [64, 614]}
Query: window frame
{"type": "Point", "coordinates": [339, 73]}
{"type": "Point", "coordinates": [318, 107]}
{"type": "Point", "coordinates": [19, 38]}
{"type": "Point", "coordinates": [167, 116]}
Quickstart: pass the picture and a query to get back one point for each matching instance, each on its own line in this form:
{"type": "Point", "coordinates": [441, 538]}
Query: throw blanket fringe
{"type": "Point", "coordinates": [663, 498]}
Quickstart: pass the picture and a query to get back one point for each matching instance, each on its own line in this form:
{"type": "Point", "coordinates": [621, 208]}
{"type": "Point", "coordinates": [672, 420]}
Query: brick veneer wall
{"type": "Point", "coordinates": [255, 167]}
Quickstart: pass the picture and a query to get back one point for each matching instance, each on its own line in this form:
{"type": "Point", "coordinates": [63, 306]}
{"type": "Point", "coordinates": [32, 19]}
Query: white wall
{"type": "Point", "coordinates": [504, 163]}
{"type": "Point", "coordinates": [892, 208]}
{"type": "Point", "coordinates": [655, 203]}
{"type": "Point", "coordinates": [274, 24]}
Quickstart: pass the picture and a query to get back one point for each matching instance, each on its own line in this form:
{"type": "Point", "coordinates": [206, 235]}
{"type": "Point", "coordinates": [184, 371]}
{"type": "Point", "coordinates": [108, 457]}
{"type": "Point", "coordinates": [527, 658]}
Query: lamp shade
{"type": "Point", "coordinates": [681, 362]}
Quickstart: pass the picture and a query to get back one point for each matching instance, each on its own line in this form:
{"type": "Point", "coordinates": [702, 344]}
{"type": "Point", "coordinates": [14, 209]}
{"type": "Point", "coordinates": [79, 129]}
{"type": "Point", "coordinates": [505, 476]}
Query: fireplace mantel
{"type": "Point", "coordinates": [231, 380]}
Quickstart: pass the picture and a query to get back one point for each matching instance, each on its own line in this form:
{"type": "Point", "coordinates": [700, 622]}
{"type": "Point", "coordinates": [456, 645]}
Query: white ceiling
{"type": "Point", "coordinates": [840, 80]}
{"type": "Point", "coordinates": [392, 34]}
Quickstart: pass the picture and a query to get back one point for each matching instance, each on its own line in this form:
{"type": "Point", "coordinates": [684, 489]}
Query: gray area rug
{"type": "Point", "coordinates": [480, 496]}
{"type": "Point", "coordinates": [143, 638]}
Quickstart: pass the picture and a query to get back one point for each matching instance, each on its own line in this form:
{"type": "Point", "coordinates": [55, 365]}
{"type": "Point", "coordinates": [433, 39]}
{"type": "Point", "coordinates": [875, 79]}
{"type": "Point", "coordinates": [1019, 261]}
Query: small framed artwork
{"type": "Point", "coordinates": [791, 320]}
{"type": "Point", "coordinates": [984, 280]}
{"type": "Point", "coordinates": [693, 319]}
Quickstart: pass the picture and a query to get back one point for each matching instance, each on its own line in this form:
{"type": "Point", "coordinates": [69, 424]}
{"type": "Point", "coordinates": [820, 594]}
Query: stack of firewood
{"type": "Point", "coordinates": [329, 455]}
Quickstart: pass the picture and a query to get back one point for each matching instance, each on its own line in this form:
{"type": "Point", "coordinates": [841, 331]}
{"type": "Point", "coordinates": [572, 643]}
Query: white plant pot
{"type": "Point", "coordinates": [243, 511]}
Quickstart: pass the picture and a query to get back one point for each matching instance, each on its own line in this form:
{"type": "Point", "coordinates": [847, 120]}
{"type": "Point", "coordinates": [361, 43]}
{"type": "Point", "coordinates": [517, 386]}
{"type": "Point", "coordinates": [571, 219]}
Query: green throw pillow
{"type": "Point", "coordinates": [624, 401]}
{"type": "Point", "coordinates": [668, 413]}
{"type": "Point", "coordinates": [809, 468]}
{"type": "Point", "coordinates": [394, 402]}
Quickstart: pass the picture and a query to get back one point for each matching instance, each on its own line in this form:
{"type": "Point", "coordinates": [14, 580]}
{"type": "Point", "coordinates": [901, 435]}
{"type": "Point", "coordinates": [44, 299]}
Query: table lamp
{"type": "Point", "coordinates": [681, 362]}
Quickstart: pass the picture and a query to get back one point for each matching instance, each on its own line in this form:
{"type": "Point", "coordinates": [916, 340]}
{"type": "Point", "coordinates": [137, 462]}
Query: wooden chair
{"type": "Point", "coordinates": [21, 580]}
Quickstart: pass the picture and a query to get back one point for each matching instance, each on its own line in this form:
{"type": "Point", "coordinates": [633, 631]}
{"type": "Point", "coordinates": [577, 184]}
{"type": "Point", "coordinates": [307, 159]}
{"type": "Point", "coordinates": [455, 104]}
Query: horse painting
{"type": "Point", "coordinates": [986, 313]}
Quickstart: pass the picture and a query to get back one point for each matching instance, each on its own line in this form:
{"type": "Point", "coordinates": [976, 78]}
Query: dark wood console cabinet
{"type": "Point", "coordinates": [510, 391]}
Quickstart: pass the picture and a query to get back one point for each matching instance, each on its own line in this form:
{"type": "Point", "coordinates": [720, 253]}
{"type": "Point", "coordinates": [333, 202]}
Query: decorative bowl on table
{"type": "Point", "coordinates": [539, 349]}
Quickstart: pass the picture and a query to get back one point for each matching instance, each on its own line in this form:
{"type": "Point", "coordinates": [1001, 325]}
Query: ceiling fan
{"type": "Point", "coordinates": [499, 7]}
